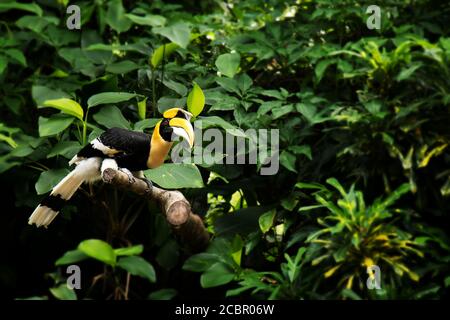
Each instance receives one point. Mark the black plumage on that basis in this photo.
(130, 149)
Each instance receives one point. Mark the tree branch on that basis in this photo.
(185, 224)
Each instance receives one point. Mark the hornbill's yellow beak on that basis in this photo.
(179, 121)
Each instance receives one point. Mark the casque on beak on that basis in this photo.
(183, 128)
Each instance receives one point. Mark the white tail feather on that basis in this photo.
(86, 170)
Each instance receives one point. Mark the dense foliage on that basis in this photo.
(364, 120)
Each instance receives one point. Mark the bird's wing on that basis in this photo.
(116, 142)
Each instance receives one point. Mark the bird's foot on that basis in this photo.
(131, 178)
(148, 182)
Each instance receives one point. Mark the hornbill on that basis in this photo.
(124, 150)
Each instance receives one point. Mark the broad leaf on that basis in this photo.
(219, 274)
(116, 18)
(218, 122)
(161, 52)
(67, 106)
(176, 176)
(110, 97)
(196, 100)
(71, 257)
(66, 149)
(41, 93)
(142, 109)
(163, 294)
(30, 7)
(48, 179)
(129, 251)
(122, 67)
(62, 292)
(200, 262)
(287, 160)
(111, 116)
(137, 266)
(99, 250)
(266, 220)
(54, 125)
(228, 64)
(178, 33)
(151, 20)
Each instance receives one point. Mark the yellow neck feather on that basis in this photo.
(159, 149)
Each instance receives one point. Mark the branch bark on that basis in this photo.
(186, 225)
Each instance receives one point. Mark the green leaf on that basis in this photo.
(304, 185)
(373, 106)
(219, 274)
(161, 52)
(147, 20)
(303, 149)
(17, 55)
(145, 124)
(3, 63)
(244, 82)
(142, 109)
(396, 194)
(290, 202)
(88, 38)
(62, 292)
(287, 160)
(115, 16)
(71, 257)
(110, 97)
(129, 251)
(266, 220)
(138, 266)
(196, 100)
(242, 221)
(111, 116)
(282, 111)
(67, 106)
(179, 33)
(218, 122)
(168, 255)
(40, 94)
(200, 262)
(48, 179)
(122, 67)
(8, 140)
(408, 72)
(66, 149)
(99, 250)
(30, 7)
(321, 67)
(54, 125)
(348, 293)
(163, 294)
(447, 282)
(176, 86)
(176, 176)
(230, 85)
(36, 23)
(228, 64)
(307, 110)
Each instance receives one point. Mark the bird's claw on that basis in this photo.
(148, 182)
(131, 178)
